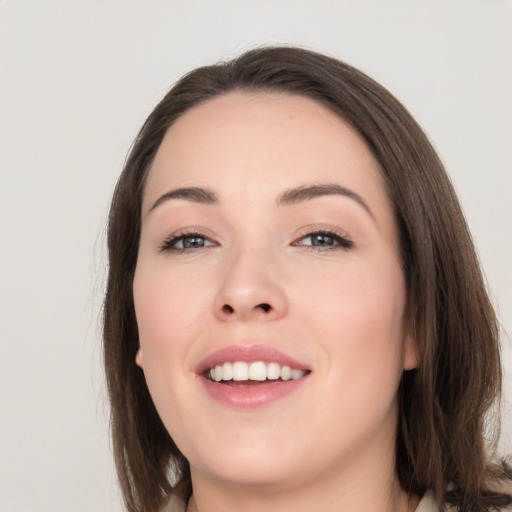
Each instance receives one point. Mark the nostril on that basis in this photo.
(227, 309)
(230, 310)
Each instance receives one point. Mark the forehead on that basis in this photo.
(261, 139)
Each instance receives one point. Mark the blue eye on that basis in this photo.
(320, 240)
(185, 242)
(192, 242)
(324, 240)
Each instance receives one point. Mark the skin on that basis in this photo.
(330, 444)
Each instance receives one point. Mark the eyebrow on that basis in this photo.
(290, 197)
(192, 194)
(306, 193)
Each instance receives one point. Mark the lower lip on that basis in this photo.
(252, 395)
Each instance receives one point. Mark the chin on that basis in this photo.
(249, 469)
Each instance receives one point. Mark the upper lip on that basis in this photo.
(248, 354)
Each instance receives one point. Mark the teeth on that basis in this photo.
(240, 370)
(227, 371)
(296, 374)
(257, 371)
(273, 371)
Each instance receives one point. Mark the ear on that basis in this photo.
(139, 360)
(411, 351)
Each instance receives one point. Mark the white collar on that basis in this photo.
(427, 503)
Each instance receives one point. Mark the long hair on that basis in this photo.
(444, 403)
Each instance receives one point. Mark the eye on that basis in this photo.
(324, 240)
(185, 242)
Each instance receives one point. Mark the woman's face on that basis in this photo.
(268, 240)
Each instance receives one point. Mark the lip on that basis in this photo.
(255, 395)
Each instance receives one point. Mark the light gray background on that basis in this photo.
(77, 80)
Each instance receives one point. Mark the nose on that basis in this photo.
(250, 289)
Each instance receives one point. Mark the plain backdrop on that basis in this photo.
(78, 78)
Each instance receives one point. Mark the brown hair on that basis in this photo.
(443, 403)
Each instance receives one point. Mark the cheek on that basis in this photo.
(167, 306)
(358, 317)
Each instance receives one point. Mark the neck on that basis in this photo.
(376, 490)
(395, 502)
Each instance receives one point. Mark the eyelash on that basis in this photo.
(340, 242)
(169, 244)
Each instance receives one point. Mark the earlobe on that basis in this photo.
(411, 352)
(138, 358)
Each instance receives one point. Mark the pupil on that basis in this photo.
(322, 240)
(192, 242)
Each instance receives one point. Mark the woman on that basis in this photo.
(295, 317)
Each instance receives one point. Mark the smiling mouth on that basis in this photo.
(242, 373)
